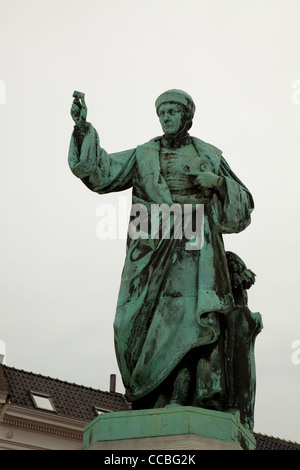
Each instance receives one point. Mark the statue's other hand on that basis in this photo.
(206, 179)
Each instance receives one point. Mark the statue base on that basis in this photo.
(173, 428)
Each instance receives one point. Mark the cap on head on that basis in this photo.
(176, 96)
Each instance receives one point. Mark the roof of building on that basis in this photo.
(69, 400)
(79, 402)
(264, 442)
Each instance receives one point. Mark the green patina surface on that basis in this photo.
(184, 334)
(167, 422)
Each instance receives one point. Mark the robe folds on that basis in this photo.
(170, 297)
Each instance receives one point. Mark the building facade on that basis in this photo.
(38, 412)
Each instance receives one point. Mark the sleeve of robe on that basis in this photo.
(99, 171)
(231, 208)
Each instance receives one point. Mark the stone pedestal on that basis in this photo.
(173, 428)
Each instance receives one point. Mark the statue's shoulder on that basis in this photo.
(206, 148)
(154, 143)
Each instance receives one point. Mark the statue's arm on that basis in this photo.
(232, 202)
(99, 171)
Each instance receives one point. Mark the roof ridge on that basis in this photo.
(61, 381)
(277, 438)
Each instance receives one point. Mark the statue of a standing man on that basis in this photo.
(171, 323)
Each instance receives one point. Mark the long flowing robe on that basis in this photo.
(168, 295)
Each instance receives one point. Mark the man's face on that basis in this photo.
(170, 117)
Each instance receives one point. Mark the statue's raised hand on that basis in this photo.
(79, 108)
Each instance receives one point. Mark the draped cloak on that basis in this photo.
(168, 297)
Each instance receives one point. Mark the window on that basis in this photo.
(42, 401)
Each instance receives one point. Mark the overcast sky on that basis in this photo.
(239, 60)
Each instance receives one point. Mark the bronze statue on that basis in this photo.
(182, 318)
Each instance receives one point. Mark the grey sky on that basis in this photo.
(239, 60)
